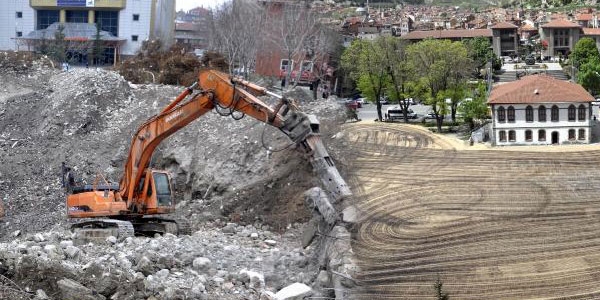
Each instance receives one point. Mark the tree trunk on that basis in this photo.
(404, 105)
(379, 110)
(453, 114)
(439, 121)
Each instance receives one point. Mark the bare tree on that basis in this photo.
(237, 32)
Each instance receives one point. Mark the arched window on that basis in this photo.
(501, 114)
(571, 112)
(554, 113)
(512, 136)
(503, 136)
(581, 134)
(528, 136)
(571, 134)
(529, 113)
(542, 135)
(510, 114)
(581, 112)
(542, 113)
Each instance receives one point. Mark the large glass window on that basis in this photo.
(529, 114)
(571, 112)
(554, 113)
(510, 114)
(108, 21)
(542, 113)
(77, 16)
(501, 114)
(581, 112)
(45, 18)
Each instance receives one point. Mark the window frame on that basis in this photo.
(135, 37)
(288, 63)
(19, 34)
(572, 113)
(541, 132)
(502, 136)
(555, 114)
(19, 15)
(512, 136)
(510, 114)
(542, 116)
(529, 113)
(581, 113)
(581, 134)
(572, 135)
(136, 17)
(528, 135)
(501, 113)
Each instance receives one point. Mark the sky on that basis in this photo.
(189, 4)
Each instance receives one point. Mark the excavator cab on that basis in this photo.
(155, 192)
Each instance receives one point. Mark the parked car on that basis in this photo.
(507, 59)
(361, 101)
(430, 115)
(353, 104)
(396, 112)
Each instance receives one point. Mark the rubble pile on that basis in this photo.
(220, 261)
(225, 171)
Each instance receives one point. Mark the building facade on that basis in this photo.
(505, 39)
(540, 110)
(561, 36)
(131, 20)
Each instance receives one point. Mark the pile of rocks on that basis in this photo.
(221, 261)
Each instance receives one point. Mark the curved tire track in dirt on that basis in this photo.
(491, 224)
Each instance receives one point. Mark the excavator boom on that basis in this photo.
(143, 191)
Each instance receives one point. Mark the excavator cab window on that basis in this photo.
(163, 189)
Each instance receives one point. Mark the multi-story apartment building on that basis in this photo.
(130, 21)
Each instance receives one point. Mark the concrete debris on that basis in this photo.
(73, 290)
(295, 291)
(350, 214)
(86, 117)
(318, 199)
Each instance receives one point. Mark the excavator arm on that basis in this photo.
(218, 90)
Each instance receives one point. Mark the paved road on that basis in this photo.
(369, 111)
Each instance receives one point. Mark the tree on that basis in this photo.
(237, 30)
(365, 63)
(439, 293)
(586, 58)
(57, 47)
(96, 53)
(480, 51)
(443, 64)
(584, 51)
(589, 76)
(398, 70)
(476, 109)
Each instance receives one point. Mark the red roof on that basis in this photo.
(447, 34)
(562, 23)
(505, 25)
(591, 31)
(527, 27)
(584, 17)
(539, 89)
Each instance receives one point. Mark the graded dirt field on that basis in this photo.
(490, 223)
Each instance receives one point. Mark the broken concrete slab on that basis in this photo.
(73, 290)
(316, 197)
(295, 291)
(350, 214)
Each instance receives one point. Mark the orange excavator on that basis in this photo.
(134, 205)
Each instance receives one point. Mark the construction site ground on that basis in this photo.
(490, 223)
(245, 204)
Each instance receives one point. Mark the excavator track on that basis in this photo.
(151, 226)
(99, 230)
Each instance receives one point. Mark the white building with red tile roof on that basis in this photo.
(540, 110)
